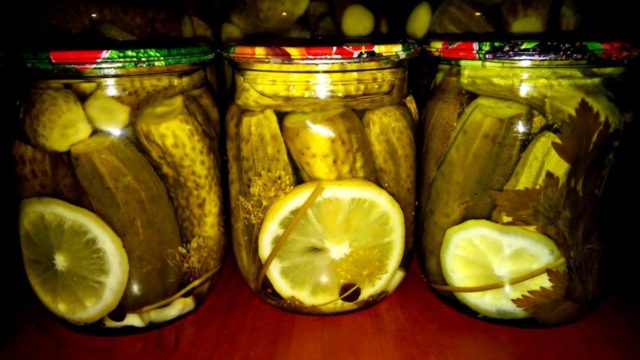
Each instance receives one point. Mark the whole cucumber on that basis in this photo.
(481, 158)
(127, 194)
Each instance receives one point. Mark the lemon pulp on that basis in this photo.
(480, 252)
(75, 263)
(347, 246)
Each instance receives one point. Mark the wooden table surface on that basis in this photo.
(412, 323)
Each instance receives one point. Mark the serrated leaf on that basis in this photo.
(541, 207)
(577, 133)
(550, 305)
(566, 213)
(517, 204)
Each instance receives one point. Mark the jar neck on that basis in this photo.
(317, 66)
(83, 72)
(536, 64)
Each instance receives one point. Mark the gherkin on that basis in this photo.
(481, 158)
(329, 145)
(178, 147)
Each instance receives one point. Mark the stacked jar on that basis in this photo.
(116, 154)
(321, 157)
(518, 141)
(312, 19)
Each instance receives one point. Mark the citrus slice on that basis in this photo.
(480, 252)
(347, 246)
(75, 263)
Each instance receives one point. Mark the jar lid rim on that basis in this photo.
(94, 59)
(358, 51)
(535, 50)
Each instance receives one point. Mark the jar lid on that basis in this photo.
(321, 53)
(531, 50)
(85, 60)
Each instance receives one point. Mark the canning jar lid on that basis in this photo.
(547, 50)
(114, 59)
(360, 51)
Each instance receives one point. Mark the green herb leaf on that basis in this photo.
(550, 305)
(566, 213)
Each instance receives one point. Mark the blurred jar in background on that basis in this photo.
(504, 19)
(507, 17)
(308, 19)
(93, 22)
(118, 166)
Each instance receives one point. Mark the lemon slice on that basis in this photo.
(480, 252)
(347, 246)
(75, 263)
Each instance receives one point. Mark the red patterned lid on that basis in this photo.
(83, 60)
(531, 50)
(321, 53)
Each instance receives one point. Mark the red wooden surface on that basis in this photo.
(409, 324)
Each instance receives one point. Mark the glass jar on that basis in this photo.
(313, 19)
(69, 23)
(321, 155)
(512, 17)
(518, 141)
(116, 155)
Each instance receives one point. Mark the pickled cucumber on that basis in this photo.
(43, 173)
(83, 88)
(329, 145)
(358, 90)
(136, 91)
(481, 158)
(183, 154)
(553, 92)
(55, 120)
(441, 114)
(538, 158)
(204, 109)
(207, 102)
(390, 133)
(410, 103)
(127, 194)
(264, 174)
(243, 231)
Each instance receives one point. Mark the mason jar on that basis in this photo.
(117, 161)
(314, 19)
(518, 141)
(68, 22)
(508, 17)
(321, 163)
